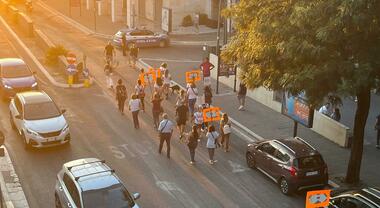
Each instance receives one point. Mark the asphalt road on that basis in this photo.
(98, 130)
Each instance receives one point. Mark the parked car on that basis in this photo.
(90, 183)
(142, 38)
(292, 163)
(38, 120)
(15, 76)
(356, 198)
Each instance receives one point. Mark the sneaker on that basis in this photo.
(214, 161)
(192, 163)
(211, 162)
(241, 108)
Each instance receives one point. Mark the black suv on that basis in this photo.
(362, 198)
(292, 163)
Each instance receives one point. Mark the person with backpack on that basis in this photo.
(167, 80)
(140, 92)
(109, 52)
(225, 129)
(212, 143)
(134, 107)
(121, 95)
(377, 128)
(165, 130)
(192, 94)
(193, 143)
(156, 109)
(208, 95)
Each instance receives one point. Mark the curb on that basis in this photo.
(15, 198)
(28, 53)
(248, 135)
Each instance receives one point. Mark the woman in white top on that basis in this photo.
(212, 143)
(167, 79)
(134, 107)
(225, 130)
(198, 119)
(192, 94)
(140, 92)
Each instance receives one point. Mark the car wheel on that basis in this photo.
(250, 160)
(162, 44)
(57, 202)
(284, 186)
(12, 121)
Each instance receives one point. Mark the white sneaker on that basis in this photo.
(241, 108)
(211, 162)
(214, 161)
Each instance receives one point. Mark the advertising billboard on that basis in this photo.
(297, 108)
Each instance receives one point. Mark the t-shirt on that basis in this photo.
(192, 93)
(242, 89)
(181, 112)
(121, 92)
(206, 68)
(134, 105)
(211, 137)
(156, 105)
(198, 117)
(109, 49)
(139, 89)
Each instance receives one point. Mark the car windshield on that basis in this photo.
(15, 71)
(115, 196)
(38, 111)
(310, 162)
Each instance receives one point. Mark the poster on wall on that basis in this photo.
(166, 19)
(297, 108)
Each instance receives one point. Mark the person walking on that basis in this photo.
(167, 80)
(212, 143)
(225, 129)
(163, 67)
(377, 128)
(121, 95)
(192, 143)
(206, 68)
(134, 107)
(242, 93)
(134, 52)
(156, 109)
(165, 130)
(181, 117)
(182, 98)
(336, 114)
(140, 92)
(108, 70)
(124, 46)
(198, 119)
(192, 94)
(109, 52)
(158, 86)
(208, 95)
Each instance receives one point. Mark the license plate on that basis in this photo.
(312, 173)
(51, 139)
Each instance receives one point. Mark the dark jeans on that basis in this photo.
(211, 152)
(156, 118)
(142, 103)
(191, 106)
(192, 154)
(121, 103)
(165, 137)
(135, 115)
(378, 137)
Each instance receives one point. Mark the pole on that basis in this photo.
(69, 8)
(95, 15)
(235, 69)
(295, 128)
(217, 47)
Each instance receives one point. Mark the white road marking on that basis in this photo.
(236, 167)
(170, 60)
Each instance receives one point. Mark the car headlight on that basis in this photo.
(34, 84)
(7, 86)
(31, 132)
(65, 128)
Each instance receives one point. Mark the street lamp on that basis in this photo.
(217, 47)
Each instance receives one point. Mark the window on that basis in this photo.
(136, 33)
(281, 156)
(267, 148)
(38, 111)
(15, 71)
(72, 189)
(147, 32)
(115, 196)
(349, 202)
(309, 162)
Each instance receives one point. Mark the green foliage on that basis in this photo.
(52, 54)
(315, 46)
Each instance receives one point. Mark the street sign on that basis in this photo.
(166, 19)
(319, 198)
(193, 76)
(211, 114)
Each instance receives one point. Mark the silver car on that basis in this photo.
(90, 183)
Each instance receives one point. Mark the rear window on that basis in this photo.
(309, 162)
(15, 71)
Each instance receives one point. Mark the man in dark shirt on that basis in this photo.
(134, 52)
(109, 52)
(181, 117)
(242, 93)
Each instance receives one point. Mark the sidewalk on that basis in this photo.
(106, 28)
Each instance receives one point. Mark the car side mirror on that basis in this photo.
(18, 117)
(63, 111)
(136, 196)
(2, 138)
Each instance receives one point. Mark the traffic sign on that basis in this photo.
(193, 76)
(211, 114)
(319, 198)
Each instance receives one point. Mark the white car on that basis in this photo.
(38, 120)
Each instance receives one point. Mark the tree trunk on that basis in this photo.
(353, 170)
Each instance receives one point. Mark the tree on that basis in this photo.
(314, 46)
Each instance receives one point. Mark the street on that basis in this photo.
(98, 130)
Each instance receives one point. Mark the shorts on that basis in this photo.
(180, 121)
